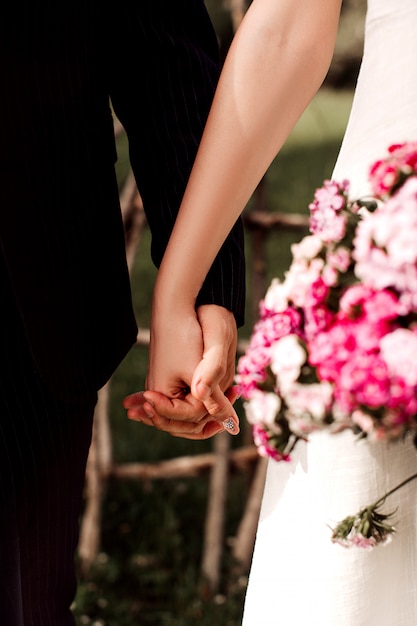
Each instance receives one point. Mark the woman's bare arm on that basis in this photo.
(276, 63)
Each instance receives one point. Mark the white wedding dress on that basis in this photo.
(298, 576)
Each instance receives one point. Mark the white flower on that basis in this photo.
(399, 351)
(300, 277)
(312, 399)
(385, 248)
(276, 298)
(263, 408)
(307, 249)
(287, 358)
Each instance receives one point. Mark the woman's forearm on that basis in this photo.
(276, 63)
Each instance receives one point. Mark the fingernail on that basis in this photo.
(148, 409)
(150, 402)
(133, 416)
(229, 424)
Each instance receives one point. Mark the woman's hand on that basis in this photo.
(191, 365)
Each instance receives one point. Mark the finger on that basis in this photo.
(148, 415)
(210, 429)
(190, 430)
(219, 406)
(138, 414)
(186, 417)
(232, 394)
(134, 399)
(217, 366)
(204, 428)
(134, 404)
(213, 371)
(208, 373)
(186, 409)
(150, 403)
(179, 416)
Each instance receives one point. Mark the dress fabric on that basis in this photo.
(298, 576)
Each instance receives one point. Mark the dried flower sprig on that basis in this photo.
(369, 527)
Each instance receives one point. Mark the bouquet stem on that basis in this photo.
(394, 489)
(369, 527)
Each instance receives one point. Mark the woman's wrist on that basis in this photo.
(171, 293)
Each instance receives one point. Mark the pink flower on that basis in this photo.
(263, 409)
(361, 300)
(280, 325)
(366, 380)
(252, 366)
(340, 258)
(330, 276)
(330, 349)
(405, 154)
(381, 306)
(384, 176)
(327, 220)
(335, 346)
(402, 404)
(364, 542)
(317, 293)
(401, 162)
(353, 299)
(265, 448)
(340, 315)
(317, 319)
(331, 196)
(328, 224)
(308, 406)
(385, 251)
(399, 351)
(300, 277)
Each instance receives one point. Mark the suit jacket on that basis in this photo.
(61, 234)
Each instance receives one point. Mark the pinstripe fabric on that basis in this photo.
(158, 61)
(43, 449)
(60, 224)
(170, 49)
(64, 287)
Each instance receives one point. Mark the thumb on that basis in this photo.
(209, 373)
(205, 387)
(218, 405)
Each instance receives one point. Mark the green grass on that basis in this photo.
(148, 570)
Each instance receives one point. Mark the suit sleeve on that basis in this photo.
(161, 91)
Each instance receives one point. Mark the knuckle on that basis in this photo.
(214, 409)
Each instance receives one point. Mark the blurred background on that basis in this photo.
(147, 556)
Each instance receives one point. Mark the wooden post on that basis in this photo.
(245, 537)
(237, 10)
(216, 506)
(99, 460)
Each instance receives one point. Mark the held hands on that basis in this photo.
(191, 370)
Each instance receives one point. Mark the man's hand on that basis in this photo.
(191, 365)
(186, 418)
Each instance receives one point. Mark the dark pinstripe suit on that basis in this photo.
(64, 285)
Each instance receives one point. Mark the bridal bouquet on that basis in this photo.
(335, 345)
